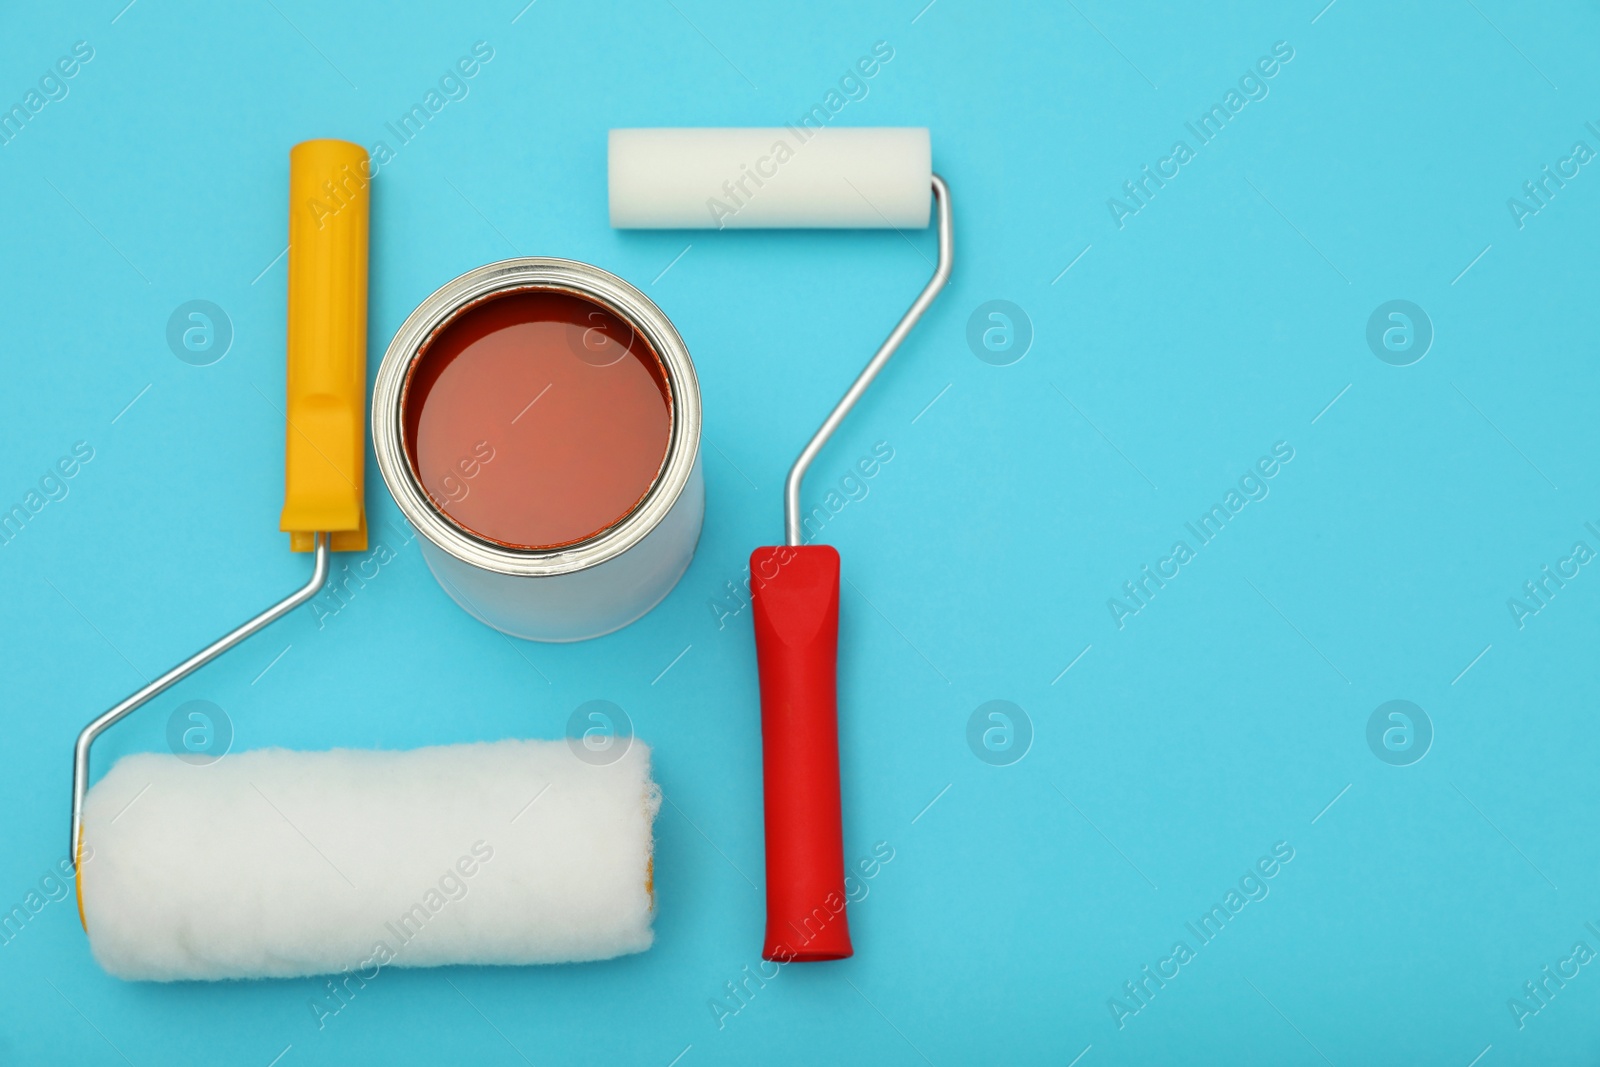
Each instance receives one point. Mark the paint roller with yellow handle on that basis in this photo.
(274, 863)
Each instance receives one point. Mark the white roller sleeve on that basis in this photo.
(833, 177)
(278, 864)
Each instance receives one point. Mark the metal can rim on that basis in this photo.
(509, 275)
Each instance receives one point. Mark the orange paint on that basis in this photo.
(536, 419)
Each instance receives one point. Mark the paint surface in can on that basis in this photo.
(536, 418)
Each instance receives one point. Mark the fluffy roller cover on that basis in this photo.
(800, 177)
(280, 864)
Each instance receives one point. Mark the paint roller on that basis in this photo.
(274, 863)
(810, 178)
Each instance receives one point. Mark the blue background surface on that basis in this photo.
(1227, 315)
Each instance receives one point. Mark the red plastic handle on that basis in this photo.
(795, 593)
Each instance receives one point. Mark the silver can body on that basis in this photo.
(576, 591)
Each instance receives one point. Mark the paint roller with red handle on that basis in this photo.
(817, 179)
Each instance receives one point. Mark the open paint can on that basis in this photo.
(538, 422)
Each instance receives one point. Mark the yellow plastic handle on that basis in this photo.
(329, 182)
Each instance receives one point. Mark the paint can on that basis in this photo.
(563, 584)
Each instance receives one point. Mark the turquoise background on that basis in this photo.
(1225, 316)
